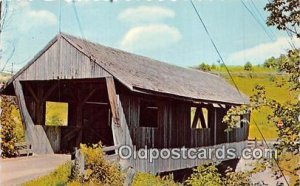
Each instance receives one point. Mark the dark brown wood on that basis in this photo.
(202, 120)
(32, 93)
(196, 118)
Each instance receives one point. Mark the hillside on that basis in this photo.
(276, 88)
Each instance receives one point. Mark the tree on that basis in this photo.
(248, 66)
(204, 67)
(271, 63)
(285, 15)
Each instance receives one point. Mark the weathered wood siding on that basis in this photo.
(62, 61)
(174, 126)
(164, 165)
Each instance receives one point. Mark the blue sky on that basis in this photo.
(165, 30)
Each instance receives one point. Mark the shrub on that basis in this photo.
(236, 178)
(248, 66)
(99, 171)
(204, 67)
(205, 175)
(8, 125)
(146, 179)
(213, 67)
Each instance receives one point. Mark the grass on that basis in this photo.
(58, 177)
(276, 88)
(288, 162)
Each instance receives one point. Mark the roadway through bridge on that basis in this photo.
(15, 171)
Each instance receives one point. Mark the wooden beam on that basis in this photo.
(112, 96)
(202, 119)
(40, 105)
(215, 126)
(196, 118)
(88, 96)
(49, 91)
(32, 93)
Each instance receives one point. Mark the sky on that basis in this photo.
(166, 30)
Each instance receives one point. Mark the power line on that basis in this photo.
(213, 43)
(59, 26)
(80, 28)
(231, 77)
(261, 17)
(281, 172)
(257, 20)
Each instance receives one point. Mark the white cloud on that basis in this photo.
(29, 17)
(258, 54)
(146, 14)
(37, 18)
(150, 37)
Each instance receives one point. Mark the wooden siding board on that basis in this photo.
(62, 61)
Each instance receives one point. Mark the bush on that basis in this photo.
(248, 66)
(146, 179)
(236, 178)
(205, 175)
(8, 125)
(204, 67)
(98, 171)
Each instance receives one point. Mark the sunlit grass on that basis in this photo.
(277, 88)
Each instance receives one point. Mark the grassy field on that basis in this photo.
(276, 88)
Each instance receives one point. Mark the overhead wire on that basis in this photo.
(215, 47)
(207, 32)
(276, 162)
(257, 20)
(59, 26)
(261, 17)
(80, 29)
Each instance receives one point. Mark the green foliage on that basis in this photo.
(248, 66)
(99, 171)
(205, 175)
(291, 65)
(8, 124)
(58, 177)
(213, 67)
(204, 67)
(271, 63)
(146, 179)
(284, 14)
(236, 178)
(230, 118)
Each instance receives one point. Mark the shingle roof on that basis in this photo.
(138, 72)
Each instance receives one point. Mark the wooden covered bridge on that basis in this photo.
(121, 98)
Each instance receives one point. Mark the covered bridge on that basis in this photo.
(119, 98)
